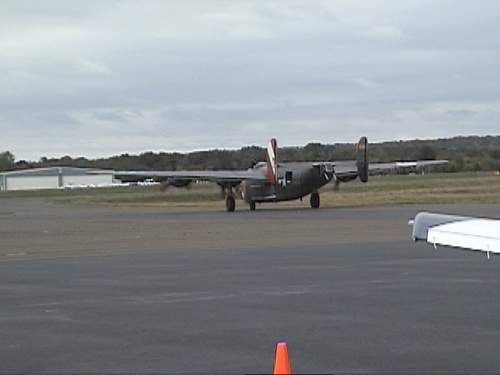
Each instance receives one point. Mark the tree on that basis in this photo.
(426, 152)
(464, 154)
(6, 160)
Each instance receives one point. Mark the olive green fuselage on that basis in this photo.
(294, 181)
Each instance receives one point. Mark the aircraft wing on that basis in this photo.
(349, 169)
(214, 176)
(471, 233)
(374, 167)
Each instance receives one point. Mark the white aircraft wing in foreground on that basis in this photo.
(470, 233)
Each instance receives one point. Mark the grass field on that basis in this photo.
(380, 190)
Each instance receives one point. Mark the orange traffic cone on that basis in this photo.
(281, 363)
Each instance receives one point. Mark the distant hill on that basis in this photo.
(464, 153)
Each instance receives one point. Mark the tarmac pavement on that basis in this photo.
(149, 290)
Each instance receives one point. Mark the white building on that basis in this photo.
(54, 178)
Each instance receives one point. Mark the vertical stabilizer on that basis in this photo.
(272, 162)
(362, 159)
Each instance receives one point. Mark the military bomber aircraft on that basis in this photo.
(273, 181)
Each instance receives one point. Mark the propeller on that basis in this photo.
(222, 191)
(238, 191)
(328, 172)
(164, 185)
(337, 183)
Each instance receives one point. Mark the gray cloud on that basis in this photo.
(109, 116)
(98, 78)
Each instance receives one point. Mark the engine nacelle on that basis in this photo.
(178, 183)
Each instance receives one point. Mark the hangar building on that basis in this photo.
(54, 178)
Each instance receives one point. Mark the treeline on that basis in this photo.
(7, 161)
(463, 153)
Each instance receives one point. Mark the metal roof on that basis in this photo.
(54, 171)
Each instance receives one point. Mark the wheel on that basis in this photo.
(252, 205)
(230, 203)
(315, 201)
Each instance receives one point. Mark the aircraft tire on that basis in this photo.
(315, 200)
(230, 203)
(252, 206)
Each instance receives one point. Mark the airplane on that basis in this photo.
(274, 181)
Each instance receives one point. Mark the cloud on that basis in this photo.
(383, 32)
(109, 116)
(98, 78)
(365, 82)
(93, 68)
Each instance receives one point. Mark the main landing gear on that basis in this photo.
(230, 203)
(315, 201)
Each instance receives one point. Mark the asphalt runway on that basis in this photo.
(153, 290)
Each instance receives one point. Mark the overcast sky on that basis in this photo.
(97, 78)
